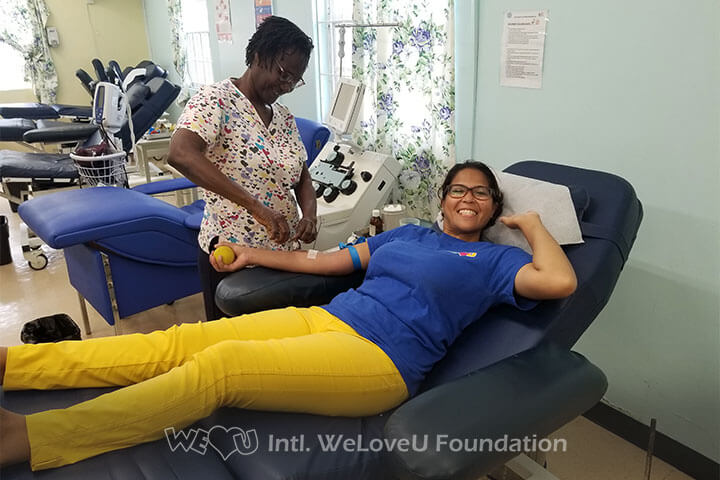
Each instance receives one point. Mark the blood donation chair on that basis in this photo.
(21, 118)
(144, 70)
(314, 137)
(30, 124)
(511, 375)
(149, 95)
(42, 119)
(39, 121)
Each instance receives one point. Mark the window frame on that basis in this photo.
(199, 59)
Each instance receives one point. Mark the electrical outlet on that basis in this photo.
(53, 38)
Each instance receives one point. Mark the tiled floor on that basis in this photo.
(592, 452)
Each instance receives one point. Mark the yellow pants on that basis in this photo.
(299, 360)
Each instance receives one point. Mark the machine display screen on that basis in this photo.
(342, 103)
(98, 104)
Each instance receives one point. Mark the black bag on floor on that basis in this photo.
(54, 328)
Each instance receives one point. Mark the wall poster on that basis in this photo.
(523, 48)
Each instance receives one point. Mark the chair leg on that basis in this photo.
(111, 291)
(83, 311)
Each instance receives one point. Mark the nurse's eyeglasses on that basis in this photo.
(480, 192)
(286, 77)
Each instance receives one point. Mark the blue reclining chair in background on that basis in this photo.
(20, 118)
(511, 374)
(314, 137)
(126, 251)
(149, 96)
(41, 119)
(31, 124)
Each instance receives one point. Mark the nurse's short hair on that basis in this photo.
(275, 37)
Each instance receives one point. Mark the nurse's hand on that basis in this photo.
(306, 231)
(240, 261)
(274, 222)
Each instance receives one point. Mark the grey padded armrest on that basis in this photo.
(256, 289)
(532, 393)
(68, 132)
(13, 129)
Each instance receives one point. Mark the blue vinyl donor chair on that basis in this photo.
(126, 251)
(313, 142)
(512, 373)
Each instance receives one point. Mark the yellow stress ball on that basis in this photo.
(224, 254)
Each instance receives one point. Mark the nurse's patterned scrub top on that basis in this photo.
(267, 162)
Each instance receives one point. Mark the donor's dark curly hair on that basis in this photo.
(275, 37)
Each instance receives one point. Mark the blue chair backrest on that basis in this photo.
(314, 136)
(609, 214)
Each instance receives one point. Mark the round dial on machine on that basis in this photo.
(330, 194)
(347, 187)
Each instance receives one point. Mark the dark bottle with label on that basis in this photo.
(376, 223)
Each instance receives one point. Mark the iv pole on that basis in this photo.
(343, 26)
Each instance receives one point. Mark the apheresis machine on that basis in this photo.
(349, 182)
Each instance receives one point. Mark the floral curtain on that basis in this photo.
(177, 43)
(26, 33)
(409, 104)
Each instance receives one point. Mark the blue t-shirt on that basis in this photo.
(421, 289)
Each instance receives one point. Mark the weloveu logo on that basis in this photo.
(244, 442)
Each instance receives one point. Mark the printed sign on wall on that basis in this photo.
(223, 23)
(523, 48)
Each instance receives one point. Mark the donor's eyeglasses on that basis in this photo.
(286, 77)
(480, 192)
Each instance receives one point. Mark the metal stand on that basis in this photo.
(113, 299)
(83, 311)
(111, 291)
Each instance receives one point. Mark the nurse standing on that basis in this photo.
(245, 151)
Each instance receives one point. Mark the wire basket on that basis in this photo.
(102, 170)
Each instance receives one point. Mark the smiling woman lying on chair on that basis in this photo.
(364, 353)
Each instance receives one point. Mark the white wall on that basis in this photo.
(631, 88)
(158, 34)
(229, 59)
